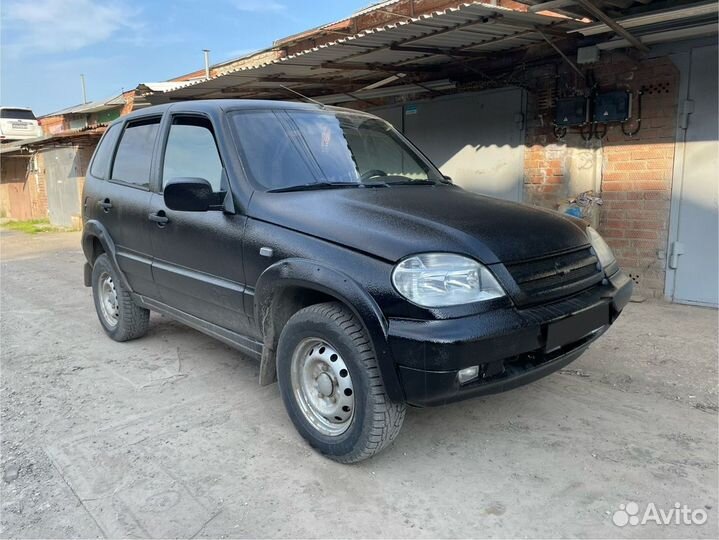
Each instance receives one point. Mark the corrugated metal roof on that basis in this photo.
(165, 86)
(413, 44)
(91, 107)
(92, 133)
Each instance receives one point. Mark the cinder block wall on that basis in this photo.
(634, 171)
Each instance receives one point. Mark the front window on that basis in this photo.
(191, 151)
(283, 149)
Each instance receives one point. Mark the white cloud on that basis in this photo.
(260, 6)
(56, 26)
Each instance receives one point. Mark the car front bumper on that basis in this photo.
(512, 347)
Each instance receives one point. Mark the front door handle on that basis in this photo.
(105, 205)
(160, 218)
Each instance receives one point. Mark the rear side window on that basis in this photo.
(192, 152)
(17, 114)
(103, 154)
(134, 153)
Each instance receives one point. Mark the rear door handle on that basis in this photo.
(159, 217)
(105, 205)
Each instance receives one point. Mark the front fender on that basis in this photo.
(94, 229)
(316, 276)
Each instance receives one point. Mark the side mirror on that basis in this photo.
(191, 195)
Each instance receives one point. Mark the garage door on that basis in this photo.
(695, 208)
(477, 138)
(63, 192)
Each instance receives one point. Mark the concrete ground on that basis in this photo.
(170, 435)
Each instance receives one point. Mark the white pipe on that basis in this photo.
(84, 90)
(207, 63)
(661, 37)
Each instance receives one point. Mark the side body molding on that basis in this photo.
(291, 273)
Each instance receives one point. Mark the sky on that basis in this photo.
(46, 44)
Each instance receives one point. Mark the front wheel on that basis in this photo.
(331, 386)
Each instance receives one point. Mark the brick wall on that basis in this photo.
(635, 171)
(129, 98)
(52, 124)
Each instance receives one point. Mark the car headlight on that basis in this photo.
(604, 252)
(444, 279)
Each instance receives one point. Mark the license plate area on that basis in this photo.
(577, 326)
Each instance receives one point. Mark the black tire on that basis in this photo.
(132, 320)
(376, 420)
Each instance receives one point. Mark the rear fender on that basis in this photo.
(94, 229)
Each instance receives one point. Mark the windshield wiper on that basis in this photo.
(410, 182)
(315, 185)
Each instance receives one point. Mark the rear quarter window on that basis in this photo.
(103, 155)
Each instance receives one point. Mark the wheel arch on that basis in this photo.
(292, 284)
(97, 240)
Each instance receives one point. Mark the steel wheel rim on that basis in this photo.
(109, 306)
(322, 386)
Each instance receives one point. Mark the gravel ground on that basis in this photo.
(170, 435)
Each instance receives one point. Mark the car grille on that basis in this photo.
(549, 278)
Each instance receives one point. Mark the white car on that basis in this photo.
(18, 123)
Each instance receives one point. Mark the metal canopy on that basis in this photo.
(672, 14)
(416, 46)
(89, 108)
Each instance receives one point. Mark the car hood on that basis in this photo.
(393, 222)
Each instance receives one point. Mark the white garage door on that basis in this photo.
(477, 139)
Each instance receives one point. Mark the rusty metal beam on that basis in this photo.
(388, 68)
(445, 30)
(464, 51)
(552, 29)
(550, 6)
(611, 23)
(307, 80)
(438, 51)
(561, 53)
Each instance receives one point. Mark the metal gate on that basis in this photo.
(693, 274)
(475, 138)
(63, 172)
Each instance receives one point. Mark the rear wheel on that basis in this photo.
(331, 386)
(119, 316)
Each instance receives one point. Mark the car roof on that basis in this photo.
(212, 105)
(17, 108)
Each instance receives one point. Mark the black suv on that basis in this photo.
(321, 242)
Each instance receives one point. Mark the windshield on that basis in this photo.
(283, 149)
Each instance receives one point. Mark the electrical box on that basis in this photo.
(571, 111)
(588, 55)
(613, 106)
